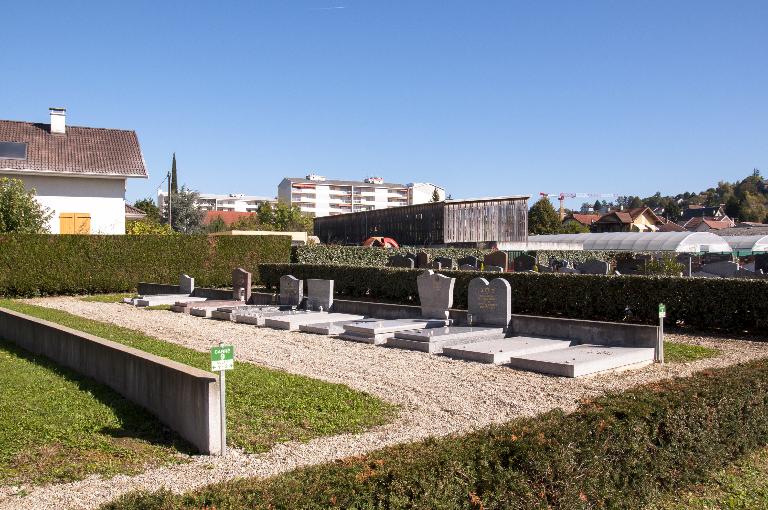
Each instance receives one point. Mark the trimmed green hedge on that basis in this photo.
(712, 304)
(32, 264)
(371, 257)
(619, 451)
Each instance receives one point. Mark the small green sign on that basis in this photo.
(662, 311)
(222, 358)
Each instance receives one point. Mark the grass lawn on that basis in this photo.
(683, 353)
(744, 485)
(264, 406)
(56, 425)
(107, 298)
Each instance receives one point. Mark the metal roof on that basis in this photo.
(746, 245)
(676, 242)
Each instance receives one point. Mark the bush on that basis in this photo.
(373, 257)
(703, 303)
(33, 265)
(618, 451)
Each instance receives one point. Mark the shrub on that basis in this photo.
(703, 303)
(618, 451)
(373, 257)
(33, 264)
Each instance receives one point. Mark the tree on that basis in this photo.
(573, 227)
(597, 206)
(150, 209)
(753, 208)
(143, 227)
(543, 219)
(186, 217)
(435, 195)
(635, 202)
(19, 211)
(174, 181)
(218, 225)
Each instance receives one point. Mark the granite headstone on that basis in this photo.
(186, 284)
(594, 266)
(291, 290)
(497, 258)
(489, 304)
(241, 285)
(435, 294)
(319, 294)
(445, 262)
(422, 259)
(525, 262)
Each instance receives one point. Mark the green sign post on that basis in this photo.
(222, 359)
(660, 341)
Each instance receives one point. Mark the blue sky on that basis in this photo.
(485, 98)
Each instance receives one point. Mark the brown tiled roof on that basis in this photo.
(82, 150)
(671, 226)
(133, 212)
(584, 219)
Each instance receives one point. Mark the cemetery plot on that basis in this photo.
(294, 321)
(501, 350)
(330, 328)
(434, 340)
(582, 360)
(379, 332)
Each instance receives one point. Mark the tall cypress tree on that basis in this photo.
(174, 182)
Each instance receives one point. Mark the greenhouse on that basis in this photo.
(637, 242)
(744, 246)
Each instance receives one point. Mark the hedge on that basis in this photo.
(707, 304)
(619, 451)
(32, 264)
(371, 257)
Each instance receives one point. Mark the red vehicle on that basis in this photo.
(381, 242)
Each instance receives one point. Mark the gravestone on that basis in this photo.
(291, 290)
(493, 269)
(445, 262)
(186, 284)
(241, 285)
(761, 263)
(435, 294)
(568, 270)
(401, 261)
(469, 261)
(497, 258)
(434, 265)
(422, 259)
(467, 267)
(525, 262)
(593, 266)
(319, 294)
(725, 269)
(489, 303)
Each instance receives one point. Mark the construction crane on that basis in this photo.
(562, 196)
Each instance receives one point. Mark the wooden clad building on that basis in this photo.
(453, 222)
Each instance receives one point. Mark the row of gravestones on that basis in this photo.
(488, 303)
(495, 261)
(319, 292)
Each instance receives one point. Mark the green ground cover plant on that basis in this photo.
(91, 264)
(740, 305)
(264, 406)
(622, 451)
(58, 426)
(675, 352)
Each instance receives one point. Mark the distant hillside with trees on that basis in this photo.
(745, 200)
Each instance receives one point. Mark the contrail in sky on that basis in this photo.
(327, 8)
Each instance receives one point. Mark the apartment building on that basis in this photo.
(319, 196)
(232, 202)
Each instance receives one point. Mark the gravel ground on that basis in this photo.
(437, 396)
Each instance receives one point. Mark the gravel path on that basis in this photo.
(437, 396)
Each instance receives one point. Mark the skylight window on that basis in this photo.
(13, 150)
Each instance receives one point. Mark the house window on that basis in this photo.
(74, 223)
(13, 150)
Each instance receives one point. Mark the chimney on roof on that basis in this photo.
(58, 120)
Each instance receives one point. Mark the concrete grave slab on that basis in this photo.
(379, 332)
(502, 349)
(164, 299)
(227, 313)
(433, 340)
(582, 360)
(330, 328)
(205, 308)
(293, 322)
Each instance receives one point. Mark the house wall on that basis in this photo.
(103, 199)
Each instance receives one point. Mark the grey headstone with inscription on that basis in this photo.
(291, 290)
(319, 294)
(435, 294)
(186, 284)
(241, 284)
(490, 304)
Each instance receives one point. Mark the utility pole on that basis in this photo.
(170, 203)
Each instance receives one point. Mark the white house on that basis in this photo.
(79, 173)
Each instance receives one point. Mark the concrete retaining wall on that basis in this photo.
(586, 332)
(184, 398)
